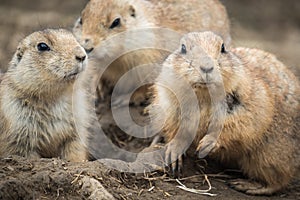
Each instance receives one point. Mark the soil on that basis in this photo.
(272, 25)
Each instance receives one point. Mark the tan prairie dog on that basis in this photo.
(36, 117)
(260, 109)
(101, 20)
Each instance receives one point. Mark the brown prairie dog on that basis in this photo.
(261, 109)
(101, 20)
(36, 117)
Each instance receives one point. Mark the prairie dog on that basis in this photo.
(101, 20)
(260, 109)
(36, 118)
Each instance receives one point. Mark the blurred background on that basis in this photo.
(272, 25)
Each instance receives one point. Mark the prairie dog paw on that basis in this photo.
(253, 188)
(207, 145)
(174, 156)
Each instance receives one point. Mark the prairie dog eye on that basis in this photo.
(80, 20)
(223, 50)
(43, 47)
(115, 23)
(183, 49)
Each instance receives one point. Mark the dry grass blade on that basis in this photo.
(152, 188)
(77, 177)
(222, 176)
(201, 192)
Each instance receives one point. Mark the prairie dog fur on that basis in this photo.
(36, 118)
(101, 20)
(261, 109)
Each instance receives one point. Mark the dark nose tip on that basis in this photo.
(80, 58)
(207, 69)
(89, 50)
(88, 44)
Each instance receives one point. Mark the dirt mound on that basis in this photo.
(57, 179)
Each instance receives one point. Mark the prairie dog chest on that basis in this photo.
(39, 125)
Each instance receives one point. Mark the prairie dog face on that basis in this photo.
(202, 59)
(49, 55)
(102, 19)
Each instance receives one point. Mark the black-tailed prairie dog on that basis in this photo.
(259, 112)
(101, 20)
(36, 117)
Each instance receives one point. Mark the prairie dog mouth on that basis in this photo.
(202, 84)
(74, 73)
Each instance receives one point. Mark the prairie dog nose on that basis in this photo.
(80, 54)
(80, 58)
(207, 69)
(87, 44)
(205, 63)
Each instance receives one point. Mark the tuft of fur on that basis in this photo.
(259, 112)
(36, 118)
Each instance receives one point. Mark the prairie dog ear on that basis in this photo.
(132, 11)
(18, 55)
